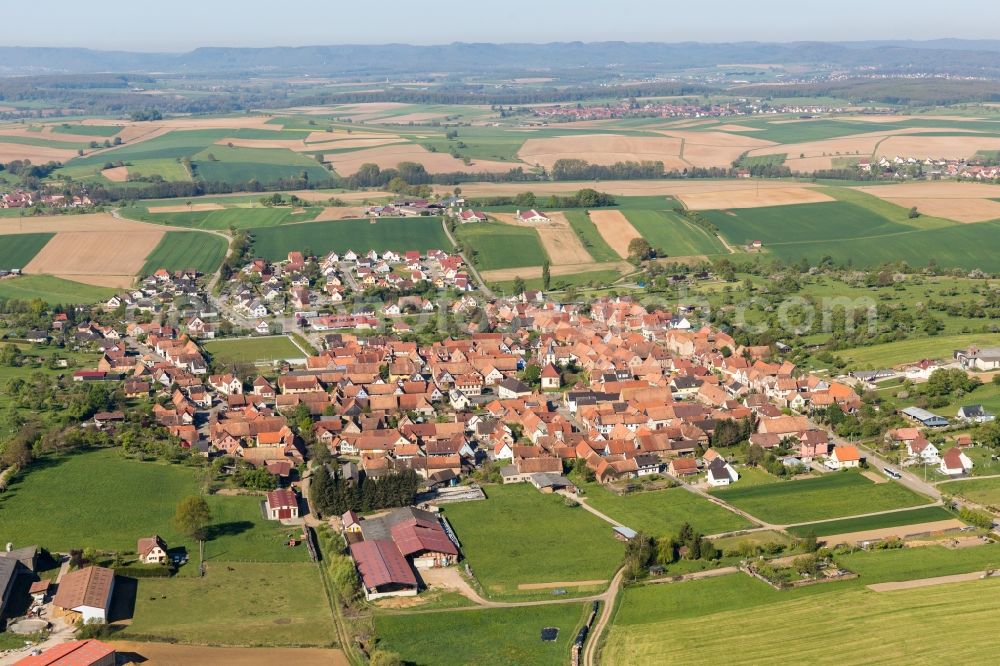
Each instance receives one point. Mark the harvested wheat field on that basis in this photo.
(962, 202)
(615, 229)
(340, 213)
(166, 654)
(387, 157)
(558, 238)
(181, 208)
(946, 147)
(533, 272)
(748, 198)
(10, 152)
(110, 259)
(604, 149)
(75, 223)
(715, 149)
(287, 144)
(116, 174)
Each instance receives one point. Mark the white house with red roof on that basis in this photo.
(532, 215)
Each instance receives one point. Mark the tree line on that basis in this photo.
(332, 494)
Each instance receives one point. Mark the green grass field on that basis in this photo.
(401, 234)
(497, 245)
(598, 279)
(103, 500)
(498, 636)
(591, 238)
(661, 512)
(103, 131)
(519, 535)
(248, 350)
(659, 620)
(875, 566)
(235, 217)
(904, 351)
(982, 491)
(180, 250)
(176, 144)
(53, 290)
(667, 231)
(821, 498)
(19, 249)
(861, 231)
(241, 604)
(900, 518)
(266, 165)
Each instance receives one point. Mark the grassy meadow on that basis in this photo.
(886, 520)
(239, 604)
(318, 238)
(519, 535)
(661, 512)
(181, 250)
(53, 290)
(249, 350)
(829, 496)
(496, 245)
(496, 636)
(17, 250)
(671, 619)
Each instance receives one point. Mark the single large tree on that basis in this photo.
(546, 276)
(192, 519)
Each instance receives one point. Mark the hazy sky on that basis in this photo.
(179, 25)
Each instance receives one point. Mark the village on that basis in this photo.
(533, 391)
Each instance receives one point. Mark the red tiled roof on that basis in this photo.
(414, 536)
(380, 563)
(74, 653)
(282, 498)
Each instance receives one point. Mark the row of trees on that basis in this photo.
(332, 494)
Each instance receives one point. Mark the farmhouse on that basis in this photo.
(282, 504)
(923, 451)
(721, 473)
(955, 463)
(152, 550)
(531, 216)
(974, 414)
(982, 360)
(417, 534)
(86, 594)
(467, 216)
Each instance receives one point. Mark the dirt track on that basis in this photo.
(551, 586)
(901, 531)
(164, 654)
(925, 582)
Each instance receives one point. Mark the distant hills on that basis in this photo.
(955, 56)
